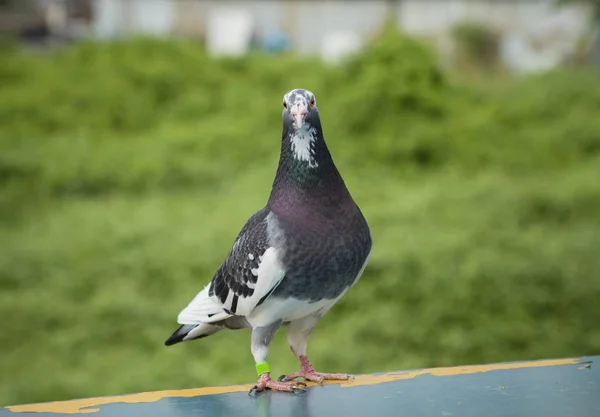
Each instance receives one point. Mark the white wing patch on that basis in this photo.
(270, 272)
(206, 309)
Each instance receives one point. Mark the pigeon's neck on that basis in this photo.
(306, 173)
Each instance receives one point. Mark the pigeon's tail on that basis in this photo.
(192, 331)
(202, 309)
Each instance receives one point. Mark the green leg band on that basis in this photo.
(263, 367)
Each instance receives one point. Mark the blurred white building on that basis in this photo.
(535, 34)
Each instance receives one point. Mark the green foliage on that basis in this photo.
(126, 170)
(387, 85)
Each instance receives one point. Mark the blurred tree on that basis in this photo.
(477, 46)
(591, 39)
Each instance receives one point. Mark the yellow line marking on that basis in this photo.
(82, 406)
(450, 371)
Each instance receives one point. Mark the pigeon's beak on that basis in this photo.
(298, 112)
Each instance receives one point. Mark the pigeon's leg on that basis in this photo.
(261, 338)
(298, 333)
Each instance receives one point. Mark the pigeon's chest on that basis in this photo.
(323, 257)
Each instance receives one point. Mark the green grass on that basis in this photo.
(126, 170)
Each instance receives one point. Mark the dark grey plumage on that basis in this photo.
(328, 237)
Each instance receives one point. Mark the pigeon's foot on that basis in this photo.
(308, 373)
(265, 381)
(315, 376)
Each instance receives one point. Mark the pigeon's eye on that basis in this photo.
(312, 102)
(285, 105)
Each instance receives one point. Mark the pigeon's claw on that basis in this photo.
(265, 382)
(315, 377)
(308, 373)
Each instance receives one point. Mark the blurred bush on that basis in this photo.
(126, 170)
(477, 46)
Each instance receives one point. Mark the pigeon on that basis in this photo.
(292, 260)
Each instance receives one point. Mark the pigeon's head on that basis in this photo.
(299, 109)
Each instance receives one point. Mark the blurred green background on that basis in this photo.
(127, 169)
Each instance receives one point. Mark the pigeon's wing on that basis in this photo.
(249, 274)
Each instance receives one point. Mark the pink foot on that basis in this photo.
(308, 372)
(265, 381)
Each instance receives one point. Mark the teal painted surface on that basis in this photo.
(551, 391)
